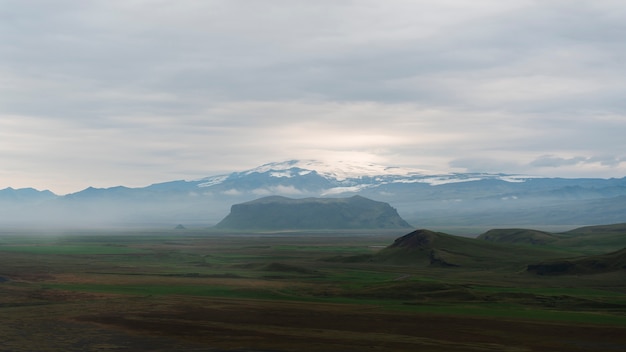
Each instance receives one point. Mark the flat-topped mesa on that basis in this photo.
(281, 213)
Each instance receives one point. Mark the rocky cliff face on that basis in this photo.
(281, 213)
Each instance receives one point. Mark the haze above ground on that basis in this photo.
(107, 93)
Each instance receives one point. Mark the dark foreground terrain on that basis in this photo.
(196, 291)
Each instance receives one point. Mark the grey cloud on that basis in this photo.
(486, 164)
(484, 85)
(235, 50)
(607, 160)
(554, 161)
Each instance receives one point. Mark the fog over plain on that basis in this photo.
(105, 93)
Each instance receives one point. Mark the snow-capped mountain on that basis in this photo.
(324, 179)
(341, 170)
(421, 197)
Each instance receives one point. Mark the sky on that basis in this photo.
(133, 92)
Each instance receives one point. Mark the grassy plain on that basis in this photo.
(209, 291)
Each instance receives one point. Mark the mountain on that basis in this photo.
(302, 177)
(19, 200)
(24, 195)
(438, 199)
(421, 197)
(281, 213)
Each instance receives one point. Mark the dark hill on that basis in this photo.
(281, 213)
(594, 239)
(518, 236)
(588, 240)
(595, 264)
(418, 239)
(423, 247)
(599, 229)
(438, 249)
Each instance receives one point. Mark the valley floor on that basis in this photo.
(285, 292)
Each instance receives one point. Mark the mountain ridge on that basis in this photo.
(421, 197)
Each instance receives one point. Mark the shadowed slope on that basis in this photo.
(595, 264)
(599, 229)
(429, 248)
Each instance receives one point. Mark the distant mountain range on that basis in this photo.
(421, 198)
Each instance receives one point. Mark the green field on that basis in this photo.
(69, 249)
(208, 291)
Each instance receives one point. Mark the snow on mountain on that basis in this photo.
(212, 180)
(348, 176)
(422, 197)
(339, 171)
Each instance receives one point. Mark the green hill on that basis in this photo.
(281, 213)
(599, 229)
(590, 243)
(518, 236)
(588, 240)
(510, 249)
(595, 264)
(594, 240)
(438, 249)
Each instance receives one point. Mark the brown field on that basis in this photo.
(210, 324)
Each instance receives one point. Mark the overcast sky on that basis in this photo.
(133, 92)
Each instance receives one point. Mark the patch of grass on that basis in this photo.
(325, 249)
(553, 291)
(164, 290)
(70, 249)
(512, 311)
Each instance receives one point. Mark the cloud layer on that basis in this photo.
(105, 93)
